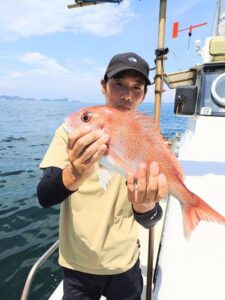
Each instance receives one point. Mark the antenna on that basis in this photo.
(218, 13)
(190, 28)
(81, 3)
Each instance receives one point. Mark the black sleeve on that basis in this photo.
(150, 218)
(51, 190)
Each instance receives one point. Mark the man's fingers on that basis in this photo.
(142, 182)
(88, 144)
(146, 191)
(154, 169)
(163, 188)
(152, 188)
(76, 134)
(85, 147)
(98, 147)
(84, 168)
(131, 187)
(93, 158)
(85, 142)
(130, 180)
(142, 176)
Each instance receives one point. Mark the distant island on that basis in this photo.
(13, 98)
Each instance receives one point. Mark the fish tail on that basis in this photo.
(199, 211)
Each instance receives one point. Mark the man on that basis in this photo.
(99, 248)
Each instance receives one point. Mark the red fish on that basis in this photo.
(135, 139)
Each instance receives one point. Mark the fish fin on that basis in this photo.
(177, 165)
(200, 211)
(66, 128)
(120, 162)
(146, 122)
(105, 176)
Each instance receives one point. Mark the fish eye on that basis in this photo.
(85, 117)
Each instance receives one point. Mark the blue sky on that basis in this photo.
(49, 51)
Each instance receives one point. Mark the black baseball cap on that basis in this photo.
(127, 61)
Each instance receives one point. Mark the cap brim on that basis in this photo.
(120, 69)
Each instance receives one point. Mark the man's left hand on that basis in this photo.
(144, 192)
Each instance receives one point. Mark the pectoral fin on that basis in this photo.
(105, 176)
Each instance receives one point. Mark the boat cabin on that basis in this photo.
(201, 90)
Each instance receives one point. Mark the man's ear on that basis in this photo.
(146, 90)
(103, 86)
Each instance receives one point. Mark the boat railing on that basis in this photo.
(35, 268)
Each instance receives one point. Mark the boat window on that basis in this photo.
(213, 91)
(218, 90)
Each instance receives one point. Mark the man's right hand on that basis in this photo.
(85, 147)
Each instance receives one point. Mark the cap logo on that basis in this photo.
(133, 59)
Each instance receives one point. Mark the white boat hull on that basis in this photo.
(194, 269)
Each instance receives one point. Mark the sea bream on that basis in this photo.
(134, 139)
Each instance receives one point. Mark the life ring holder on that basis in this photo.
(216, 97)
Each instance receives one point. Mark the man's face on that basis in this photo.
(126, 91)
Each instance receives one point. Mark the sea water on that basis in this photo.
(26, 229)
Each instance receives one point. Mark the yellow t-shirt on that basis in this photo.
(97, 231)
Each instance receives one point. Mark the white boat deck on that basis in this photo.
(195, 268)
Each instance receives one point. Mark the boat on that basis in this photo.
(192, 269)
(195, 268)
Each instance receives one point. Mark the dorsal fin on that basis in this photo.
(145, 121)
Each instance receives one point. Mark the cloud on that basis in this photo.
(24, 18)
(43, 63)
(36, 75)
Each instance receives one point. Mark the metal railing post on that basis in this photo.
(158, 97)
(34, 269)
